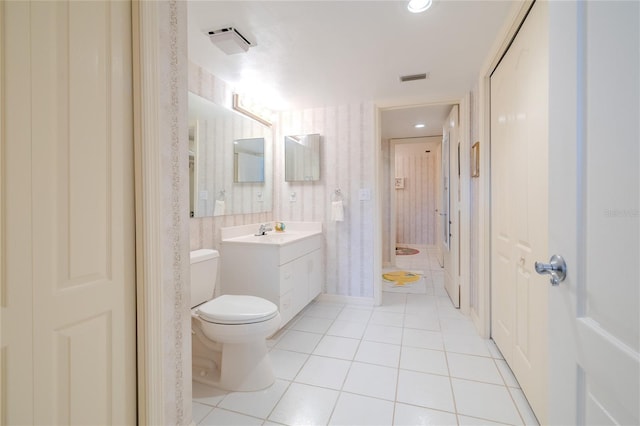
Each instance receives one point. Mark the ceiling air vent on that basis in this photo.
(414, 77)
(229, 40)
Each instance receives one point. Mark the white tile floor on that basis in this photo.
(415, 360)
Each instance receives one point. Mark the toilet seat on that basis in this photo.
(237, 309)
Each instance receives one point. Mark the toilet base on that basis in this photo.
(237, 367)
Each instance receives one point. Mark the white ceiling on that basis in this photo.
(316, 53)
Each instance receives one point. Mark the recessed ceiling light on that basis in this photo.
(417, 6)
(419, 126)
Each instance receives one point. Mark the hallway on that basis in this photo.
(415, 360)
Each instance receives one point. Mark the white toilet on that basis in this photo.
(228, 333)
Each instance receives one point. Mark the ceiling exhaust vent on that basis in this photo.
(229, 40)
(414, 77)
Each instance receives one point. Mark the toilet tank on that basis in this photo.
(204, 273)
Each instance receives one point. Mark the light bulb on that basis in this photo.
(417, 6)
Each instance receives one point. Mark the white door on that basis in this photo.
(594, 212)
(68, 284)
(451, 205)
(439, 212)
(413, 205)
(519, 167)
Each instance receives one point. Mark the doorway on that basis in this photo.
(408, 213)
(413, 193)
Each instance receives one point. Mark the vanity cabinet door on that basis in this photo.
(315, 271)
(301, 283)
(287, 279)
(287, 282)
(286, 308)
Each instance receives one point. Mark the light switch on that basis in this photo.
(364, 194)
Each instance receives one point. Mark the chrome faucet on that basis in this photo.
(263, 229)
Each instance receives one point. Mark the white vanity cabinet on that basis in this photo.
(289, 274)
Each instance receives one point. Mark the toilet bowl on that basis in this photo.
(228, 332)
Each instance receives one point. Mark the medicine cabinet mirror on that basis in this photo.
(302, 158)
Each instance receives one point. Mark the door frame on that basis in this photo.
(465, 177)
(162, 222)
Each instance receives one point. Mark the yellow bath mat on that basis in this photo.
(401, 277)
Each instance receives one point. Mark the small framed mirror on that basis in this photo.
(302, 158)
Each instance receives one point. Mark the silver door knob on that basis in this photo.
(556, 267)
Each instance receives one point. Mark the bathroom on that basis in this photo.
(97, 235)
(350, 246)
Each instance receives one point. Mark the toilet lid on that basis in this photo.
(237, 309)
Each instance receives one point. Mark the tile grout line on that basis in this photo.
(395, 396)
(341, 390)
(453, 394)
(302, 367)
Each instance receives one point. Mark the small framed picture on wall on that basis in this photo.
(399, 183)
(475, 160)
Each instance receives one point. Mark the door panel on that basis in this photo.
(519, 147)
(17, 354)
(593, 212)
(79, 263)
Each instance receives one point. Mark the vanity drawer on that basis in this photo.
(290, 252)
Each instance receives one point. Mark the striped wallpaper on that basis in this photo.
(347, 163)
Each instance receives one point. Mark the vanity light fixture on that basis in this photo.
(242, 108)
(418, 6)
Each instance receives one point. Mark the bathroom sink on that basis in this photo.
(286, 268)
(273, 238)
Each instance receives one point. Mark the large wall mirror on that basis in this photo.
(230, 161)
(302, 158)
